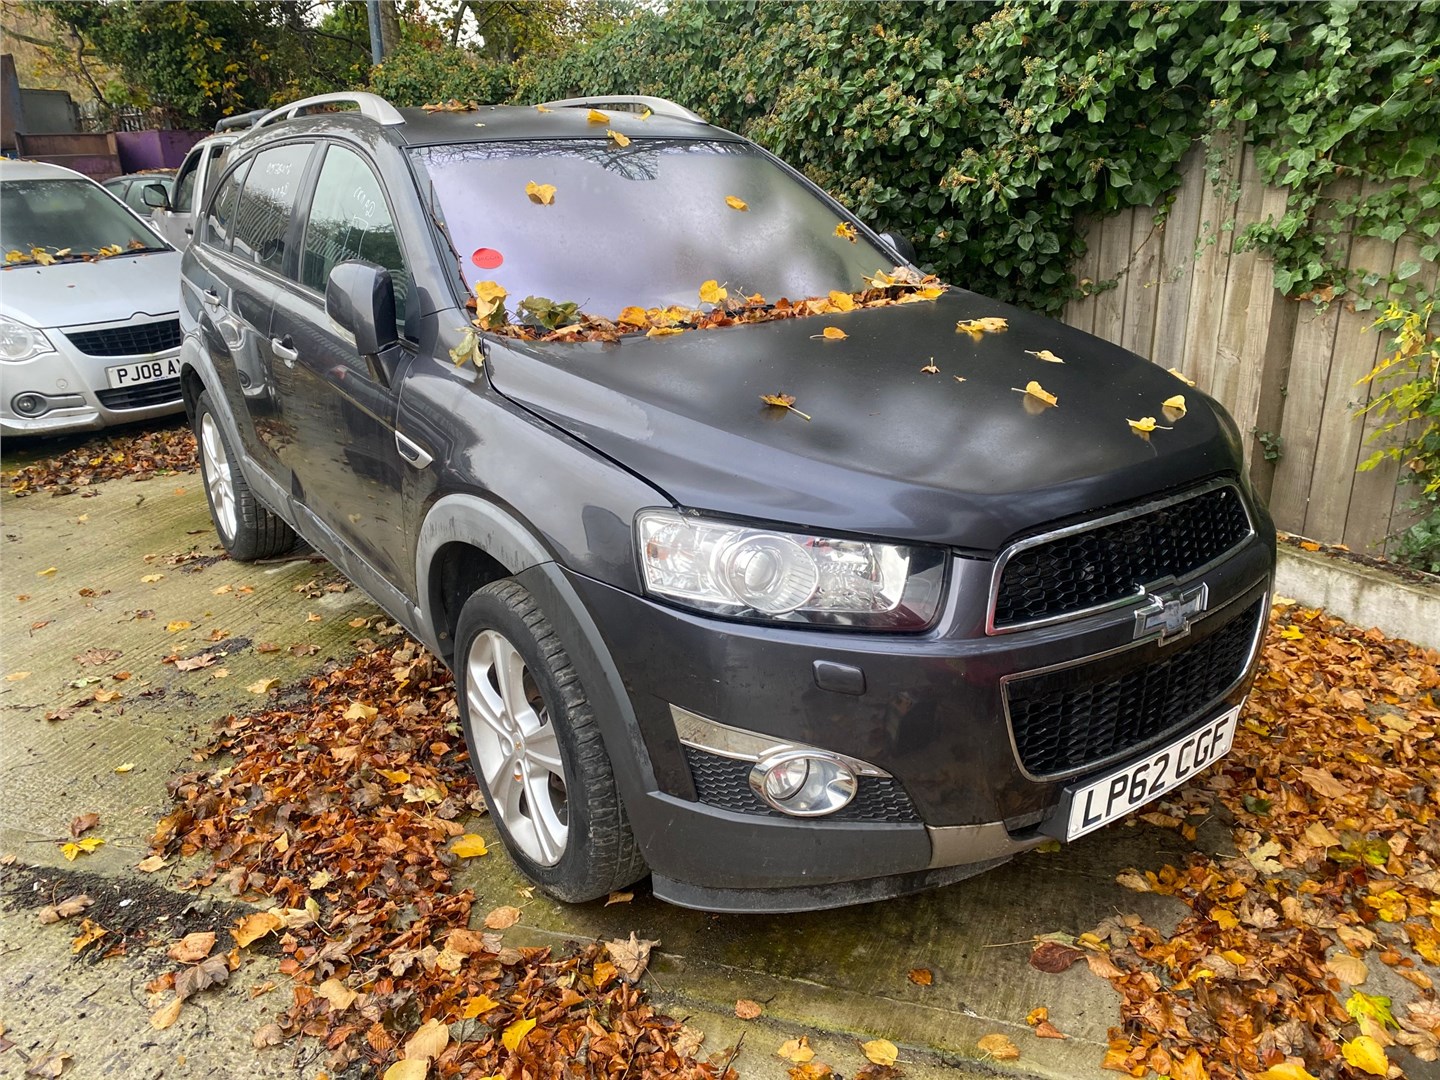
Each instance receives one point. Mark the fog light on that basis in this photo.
(803, 784)
(29, 404)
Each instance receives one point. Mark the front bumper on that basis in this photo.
(75, 386)
(929, 709)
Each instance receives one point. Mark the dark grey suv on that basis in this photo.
(827, 585)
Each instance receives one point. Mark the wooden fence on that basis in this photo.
(1287, 370)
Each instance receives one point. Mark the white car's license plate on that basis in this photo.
(1115, 795)
(146, 371)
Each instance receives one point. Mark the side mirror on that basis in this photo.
(360, 299)
(153, 195)
(901, 244)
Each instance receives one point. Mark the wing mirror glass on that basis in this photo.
(154, 195)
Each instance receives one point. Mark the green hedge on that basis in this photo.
(418, 74)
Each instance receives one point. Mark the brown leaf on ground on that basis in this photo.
(166, 1015)
(1053, 957)
(252, 928)
(1046, 1030)
(192, 948)
(428, 1041)
(921, 976)
(502, 918)
(191, 979)
(630, 957)
(880, 1051)
(269, 1035)
(810, 1070)
(796, 1050)
(71, 905)
(84, 823)
(746, 1009)
(999, 1047)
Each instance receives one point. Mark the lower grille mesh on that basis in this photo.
(161, 392)
(1064, 720)
(725, 783)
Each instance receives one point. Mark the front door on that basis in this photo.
(340, 415)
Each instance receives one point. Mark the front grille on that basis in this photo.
(1098, 566)
(725, 783)
(161, 392)
(134, 339)
(1065, 720)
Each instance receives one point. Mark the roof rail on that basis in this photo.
(628, 103)
(240, 120)
(371, 105)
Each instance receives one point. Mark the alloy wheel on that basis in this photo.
(218, 479)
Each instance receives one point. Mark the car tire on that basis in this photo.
(247, 529)
(526, 713)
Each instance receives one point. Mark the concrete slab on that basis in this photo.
(1362, 595)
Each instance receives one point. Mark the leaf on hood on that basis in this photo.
(1046, 355)
(595, 116)
(712, 292)
(830, 333)
(930, 368)
(999, 1047)
(1175, 404)
(617, 138)
(978, 328)
(540, 194)
(630, 957)
(880, 1051)
(1144, 425)
(783, 401)
(1034, 390)
(633, 316)
(841, 301)
(542, 108)
(1181, 376)
(468, 348)
(736, 204)
(663, 331)
(846, 231)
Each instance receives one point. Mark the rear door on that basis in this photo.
(195, 178)
(340, 417)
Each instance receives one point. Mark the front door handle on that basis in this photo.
(411, 452)
(210, 297)
(285, 349)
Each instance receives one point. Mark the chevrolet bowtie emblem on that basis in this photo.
(1169, 614)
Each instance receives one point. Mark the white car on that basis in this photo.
(89, 307)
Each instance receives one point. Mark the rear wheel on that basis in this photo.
(537, 749)
(247, 530)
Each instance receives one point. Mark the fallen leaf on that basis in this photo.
(340, 996)
(478, 1006)
(1348, 969)
(270, 1035)
(630, 957)
(540, 194)
(1367, 1055)
(595, 116)
(1036, 1015)
(922, 976)
(1175, 404)
(1144, 425)
(150, 579)
(211, 971)
(978, 328)
(1047, 1030)
(470, 846)
(1323, 783)
(90, 932)
(502, 918)
(177, 625)
(811, 1070)
(999, 1047)
(930, 368)
(429, 1041)
(746, 1009)
(252, 928)
(1052, 957)
(619, 139)
(1181, 376)
(511, 1036)
(125, 767)
(166, 1015)
(71, 905)
(80, 847)
(712, 292)
(1046, 355)
(47, 572)
(736, 204)
(1286, 1070)
(419, 1069)
(783, 401)
(192, 948)
(831, 333)
(195, 663)
(151, 864)
(880, 1051)
(16, 676)
(104, 697)
(796, 1050)
(846, 231)
(84, 823)
(619, 898)
(360, 711)
(663, 331)
(263, 686)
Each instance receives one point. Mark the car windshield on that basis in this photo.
(60, 214)
(642, 225)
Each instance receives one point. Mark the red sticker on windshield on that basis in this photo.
(487, 258)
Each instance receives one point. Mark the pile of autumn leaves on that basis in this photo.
(1296, 950)
(341, 814)
(139, 455)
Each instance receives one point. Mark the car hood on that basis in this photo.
(889, 449)
(79, 293)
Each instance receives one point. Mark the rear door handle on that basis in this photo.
(211, 298)
(285, 349)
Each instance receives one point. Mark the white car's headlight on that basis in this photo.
(20, 342)
(769, 575)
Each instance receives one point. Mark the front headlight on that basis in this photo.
(20, 342)
(769, 575)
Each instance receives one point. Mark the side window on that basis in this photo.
(222, 208)
(184, 193)
(266, 201)
(350, 220)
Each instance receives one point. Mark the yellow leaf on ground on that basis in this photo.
(999, 1047)
(90, 932)
(478, 1006)
(80, 847)
(16, 676)
(512, 1035)
(736, 204)
(796, 1050)
(1367, 1055)
(470, 846)
(712, 292)
(620, 140)
(125, 767)
(253, 927)
(880, 1051)
(427, 1042)
(1286, 1070)
(595, 116)
(166, 1015)
(340, 996)
(542, 194)
(395, 776)
(151, 864)
(47, 572)
(150, 579)
(263, 686)
(418, 1069)
(1348, 969)
(359, 711)
(177, 625)
(1037, 1014)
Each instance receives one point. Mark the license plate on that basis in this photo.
(1102, 801)
(146, 371)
